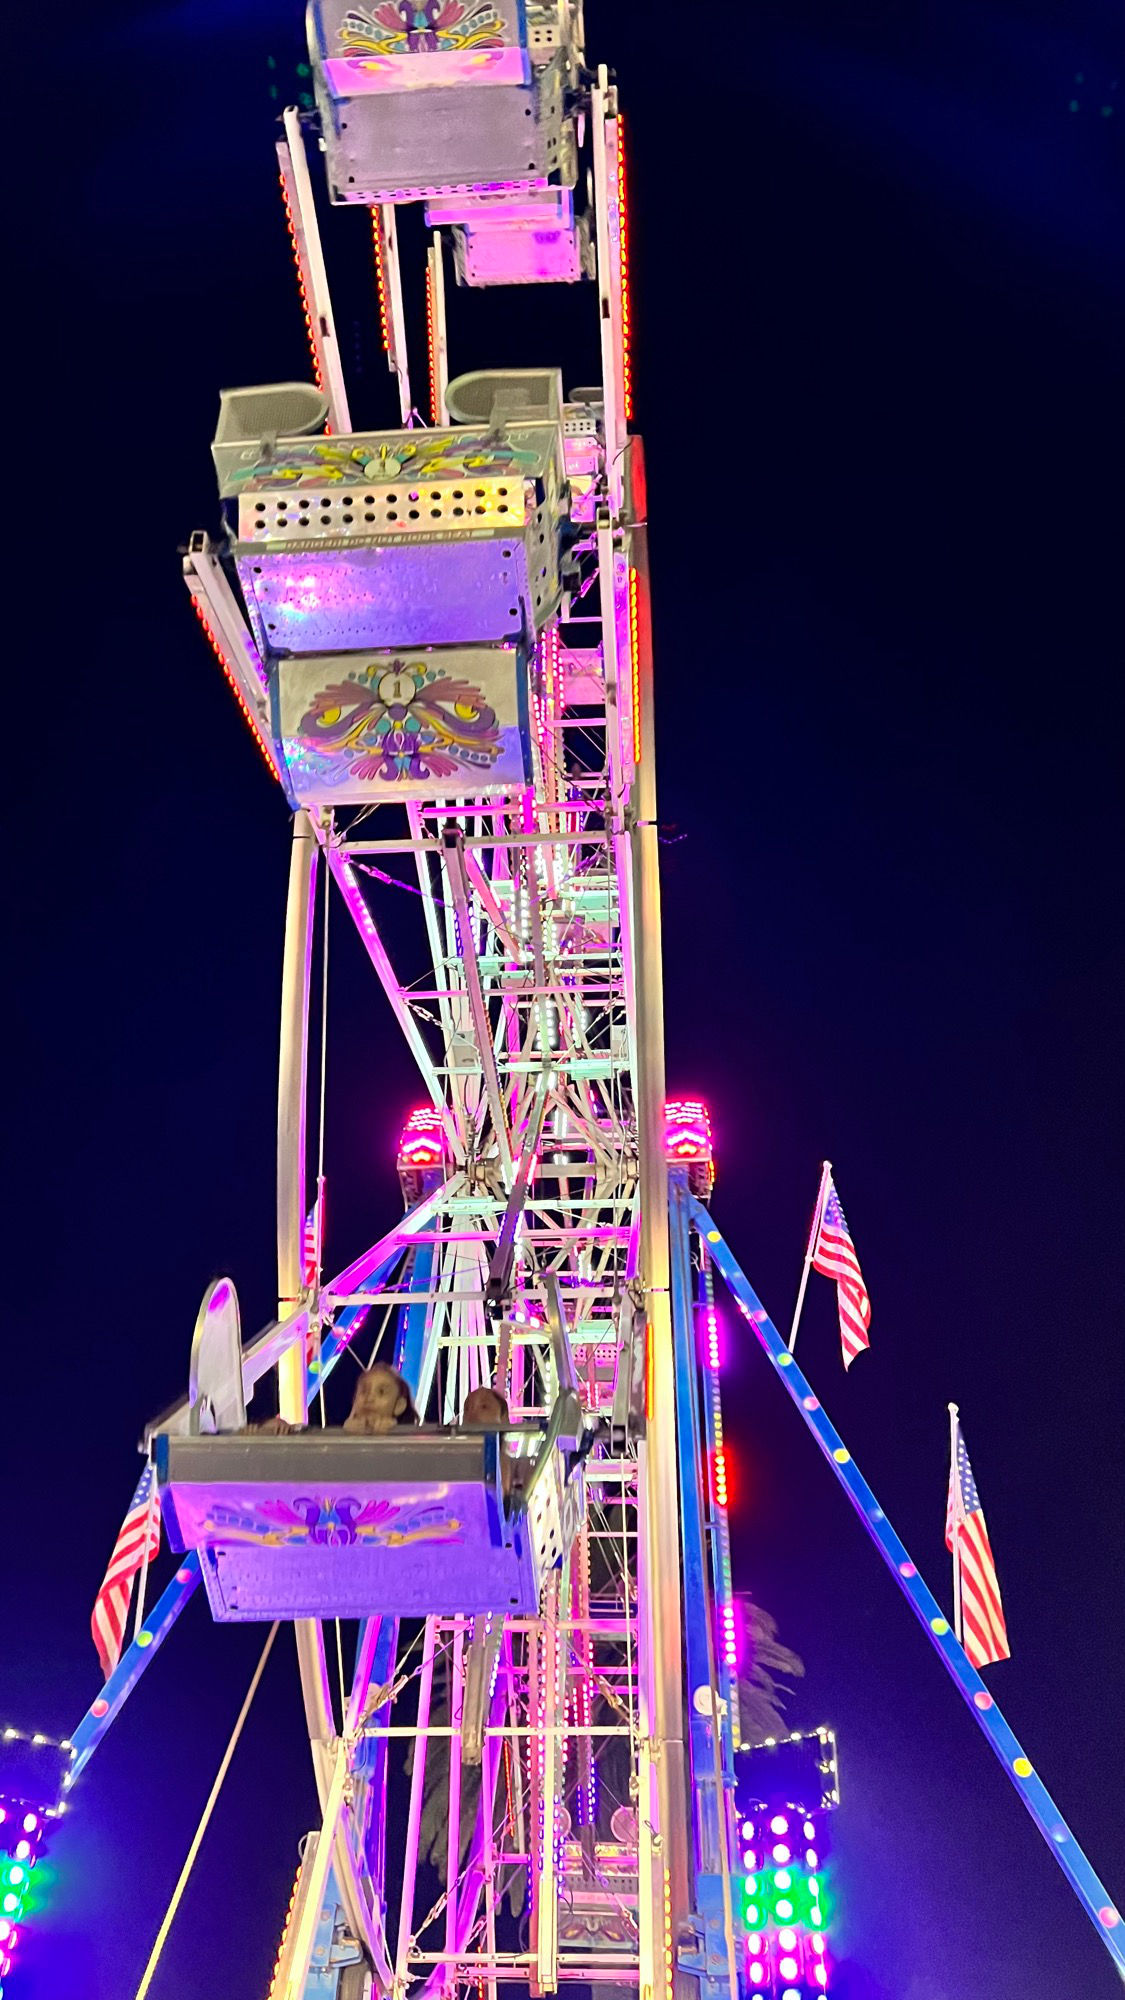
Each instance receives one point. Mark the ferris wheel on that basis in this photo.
(492, 1503)
(438, 637)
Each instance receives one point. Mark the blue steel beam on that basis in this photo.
(413, 1320)
(132, 1663)
(719, 1525)
(1091, 1892)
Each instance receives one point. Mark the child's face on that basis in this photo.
(485, 1406)
(379, 1398)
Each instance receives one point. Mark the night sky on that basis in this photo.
(879, 310)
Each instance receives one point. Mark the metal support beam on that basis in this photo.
(297, 1946)
(483, 889)
(310, 264)
(612, 388)
(438, 342)
(107, 1706)
(499, 1282)
(545, 1887)
(291, 1107)
(669, 1880)
(392, 315)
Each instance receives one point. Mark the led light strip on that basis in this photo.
(303, 286)
(622, 246)
(431, 345)
(220, 655)
(381, 280)
(635, 664)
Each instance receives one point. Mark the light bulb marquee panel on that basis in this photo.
(32, 1772)
(784, 1793)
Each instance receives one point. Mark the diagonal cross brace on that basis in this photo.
(1091, 1892)
(499, 1282)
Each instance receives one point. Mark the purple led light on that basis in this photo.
(729, 1634)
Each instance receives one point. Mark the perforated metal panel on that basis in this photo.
(584, 458)
(384, 148)
(555, 1514)
(332, 513)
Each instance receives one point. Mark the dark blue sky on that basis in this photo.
(879, 314)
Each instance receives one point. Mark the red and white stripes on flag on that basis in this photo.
(311, 1240)
(137, 1542)
(978, 1612)
(833, 1255)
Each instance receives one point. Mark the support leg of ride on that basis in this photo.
(1091, 1892)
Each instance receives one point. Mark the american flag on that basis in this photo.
(310, 1242)
(141, 1526)
(834, 1256)
(984, 1634)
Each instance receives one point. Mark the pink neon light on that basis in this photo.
(635, 659)
(711, 1337)
(365, 75)
(421, 1142)
(687, 1129)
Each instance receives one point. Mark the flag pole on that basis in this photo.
(825, 1173)
(954, 1520)
(142, 1580)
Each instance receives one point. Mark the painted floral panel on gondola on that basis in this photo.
(285, 1517)
(355, 728)
(387, 458)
